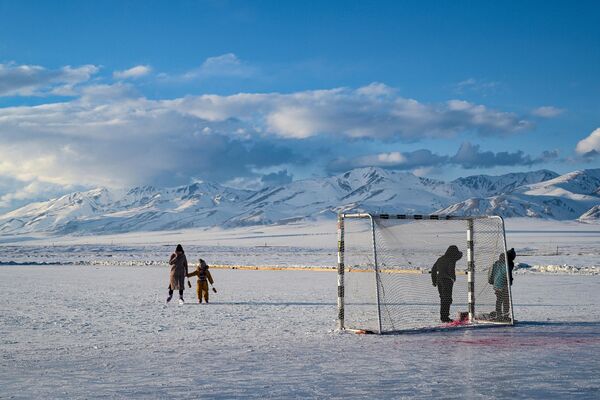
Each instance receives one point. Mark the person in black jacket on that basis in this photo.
(443, 275)
(512, 254)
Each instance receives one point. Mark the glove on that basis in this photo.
(189, 284)
(214, 290)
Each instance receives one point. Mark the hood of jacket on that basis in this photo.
(453, 253)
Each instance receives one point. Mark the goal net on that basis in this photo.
(386, 272)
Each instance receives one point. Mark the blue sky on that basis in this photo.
(250, 93)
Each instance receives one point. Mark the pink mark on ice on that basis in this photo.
(530, 342)
(457, 323)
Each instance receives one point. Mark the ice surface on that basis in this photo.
(106, 332)
(99, 327)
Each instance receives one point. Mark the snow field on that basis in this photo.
(106, 332)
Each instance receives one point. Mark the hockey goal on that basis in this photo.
(385, 281)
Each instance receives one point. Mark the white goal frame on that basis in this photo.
(469, 229)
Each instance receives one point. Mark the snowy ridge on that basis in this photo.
(541, 194)
(593, 214)
(567, 197)
(485, 185)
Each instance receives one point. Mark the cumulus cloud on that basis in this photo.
(127, 142)
(15, 193)
(547, 112)
(134, 72)
(590, 146)
(34, 80)
(468, 156)
(111, 136)
(368, 112)
(106, 138)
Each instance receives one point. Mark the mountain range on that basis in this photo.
(539, 194)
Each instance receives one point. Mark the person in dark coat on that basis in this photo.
(512, 254)
(179, 270)
(443, 275)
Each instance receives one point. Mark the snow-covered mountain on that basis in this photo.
(541, 194)
(591, 215)
(372, 189)
(141, 208)
(486, 185)
(364, 188)
(575, 195)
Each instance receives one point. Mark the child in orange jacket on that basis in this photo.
(204, 277)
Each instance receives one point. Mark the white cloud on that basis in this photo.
(589, 145)
(338, 112)
(481, 86)
(547, 112)
(425, 171)
(106, 138)
(393, 157)
(225, 65)
(34, 80)
(393, 160)
(467, 82)
(376, 89)
(25, 192)
(111, 136)
(228, 60)
(135, 72)
(352, 113)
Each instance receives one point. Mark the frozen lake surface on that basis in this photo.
(565, 246)
(106, 332)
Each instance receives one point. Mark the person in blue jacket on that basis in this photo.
(498, 278)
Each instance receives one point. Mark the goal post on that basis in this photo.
(385, 280)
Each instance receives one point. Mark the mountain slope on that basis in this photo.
(142, 208)
(591, 215)
(564, 197)
(487, 186)
(365, 189)
(359, 189)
